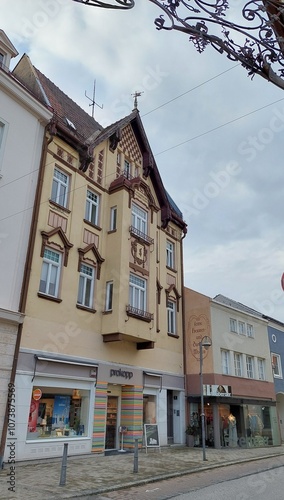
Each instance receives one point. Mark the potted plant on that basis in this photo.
(191, 432)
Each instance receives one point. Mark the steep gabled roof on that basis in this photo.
(64, 108)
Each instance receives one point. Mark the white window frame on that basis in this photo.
(137, 292)
(113, 218)
(51, 270)
(2, 59)
(171, 317)
(233, 325)
(276, 362)
(139, 218)
(225, 359)
(238, 365)
(109, 296)
(60, 187)
(86, 286)
(241, 327)
(249, 366)
(170, 254)
(250, 331)
(261, 368)
(92, 207)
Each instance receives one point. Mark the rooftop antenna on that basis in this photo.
(93, 101)
(135, 95)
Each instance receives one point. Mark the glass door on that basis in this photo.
(111, 423)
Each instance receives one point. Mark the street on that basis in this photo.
(261, 479)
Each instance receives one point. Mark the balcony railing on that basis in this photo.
(139, 234)
(139, 313)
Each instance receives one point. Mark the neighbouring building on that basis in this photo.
(102, 340)
(238, 384)
(22, 129)
(276, 343)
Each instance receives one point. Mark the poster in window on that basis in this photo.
(61, 410)
(33, 414)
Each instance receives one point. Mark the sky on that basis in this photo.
(216, 134)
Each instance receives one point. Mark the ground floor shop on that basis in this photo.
(91, 405)
(235, 423)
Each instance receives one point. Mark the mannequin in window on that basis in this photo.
(233, 436)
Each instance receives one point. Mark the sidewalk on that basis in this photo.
(96, 474)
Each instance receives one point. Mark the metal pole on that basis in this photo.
(135, 468)
(202, 401)
(64, 466)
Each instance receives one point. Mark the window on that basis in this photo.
(170, 254)
(2, 58)
(171, 312)
(2, 126)
(127, 169)
(276, 365)
(233, 325)
(242, 327)
(238, 364)
(249, 363)
(86, 286)
(225, 362)
(139, 219)
(92, 207)
(109, 294)
(137, 292)
(250, 332)
(261, 370)
(113, 218)
(60, 185)
(50, 273)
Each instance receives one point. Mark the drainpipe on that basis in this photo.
(184, 327)
(25, 285)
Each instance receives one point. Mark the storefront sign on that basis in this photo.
(37, 394)
(121, 373)
(253, 442)
(224, 391)
(151, 435)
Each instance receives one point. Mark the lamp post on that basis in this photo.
(206, 342)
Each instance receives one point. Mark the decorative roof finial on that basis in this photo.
(135, 95)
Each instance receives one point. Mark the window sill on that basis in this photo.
(107, 312)
(61, 207)
(171, 269)
(92, 225)
(174, 335)
(49, 297)
(112, 231)
(85, 308)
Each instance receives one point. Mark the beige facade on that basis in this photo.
(102, 342)
(237, 374)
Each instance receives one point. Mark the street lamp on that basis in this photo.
(206, 342)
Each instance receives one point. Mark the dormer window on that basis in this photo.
(70, 124)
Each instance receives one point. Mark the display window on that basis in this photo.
(58, 412)
(149, 409)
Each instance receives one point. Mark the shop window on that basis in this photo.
(149, 409)
(58, 413)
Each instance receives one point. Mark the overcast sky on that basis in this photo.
(217, 135)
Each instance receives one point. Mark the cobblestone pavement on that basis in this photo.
(99, 474)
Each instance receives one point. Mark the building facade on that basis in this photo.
(22, 129)
(238, 385)
(276, 343)
(102, 341)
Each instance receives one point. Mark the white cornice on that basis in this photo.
(11, 316)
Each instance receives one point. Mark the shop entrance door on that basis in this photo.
(170, 425)
(111, 423)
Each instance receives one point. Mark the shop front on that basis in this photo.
(127, 398)
(54, 405)
(232, 422)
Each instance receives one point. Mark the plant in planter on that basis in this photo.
(191, 432)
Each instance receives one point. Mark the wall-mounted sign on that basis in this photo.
(37, 393)
(198, 327)
(224, 391)
(121, 373)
